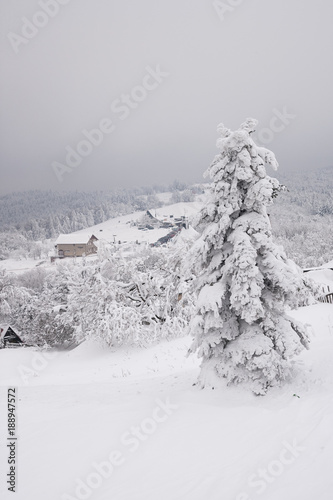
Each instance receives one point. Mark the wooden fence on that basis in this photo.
(327, 295)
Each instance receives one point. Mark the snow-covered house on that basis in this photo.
(75, 245)
(8, 337)
(148, 221)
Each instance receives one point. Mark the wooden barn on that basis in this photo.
(9, 338)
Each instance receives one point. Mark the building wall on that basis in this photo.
(75, 250)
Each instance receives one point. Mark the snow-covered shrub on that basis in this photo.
(6, 293)
(33, 279)
(245, 282)
(41, 317)
(307, 239)
(149, 299)
(139, 300)
(12, 297)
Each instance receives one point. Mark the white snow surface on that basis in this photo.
(322, 276)
(76, 410)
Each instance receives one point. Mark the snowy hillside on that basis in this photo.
(123, 230)
(78, 411)
(117, 229)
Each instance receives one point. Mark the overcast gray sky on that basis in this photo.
(157, 76)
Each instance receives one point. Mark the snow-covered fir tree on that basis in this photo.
(245, 282)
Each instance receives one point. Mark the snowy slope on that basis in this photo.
(323, 276)
(20, 266)
(134, 416)
(120, 226)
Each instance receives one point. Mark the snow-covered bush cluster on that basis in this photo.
(16, 246)
(302, 216)
(307, 239)
(134, 299)
(245, 282)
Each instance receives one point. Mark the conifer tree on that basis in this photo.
(246, 284)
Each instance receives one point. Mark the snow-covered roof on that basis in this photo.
(187, 236)
(4, 329)
(73, 238)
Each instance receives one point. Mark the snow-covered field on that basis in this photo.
(21, 266)
(128, 424)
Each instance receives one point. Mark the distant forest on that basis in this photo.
(28, 220)
(39, 215)
(302, 216)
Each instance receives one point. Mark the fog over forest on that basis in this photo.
(124, 94)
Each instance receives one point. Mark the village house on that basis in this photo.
(148, 221)
(75, 245)
(9, 338)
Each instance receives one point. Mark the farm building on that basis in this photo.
(148, 220)
(75, 245)
(9, 338)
